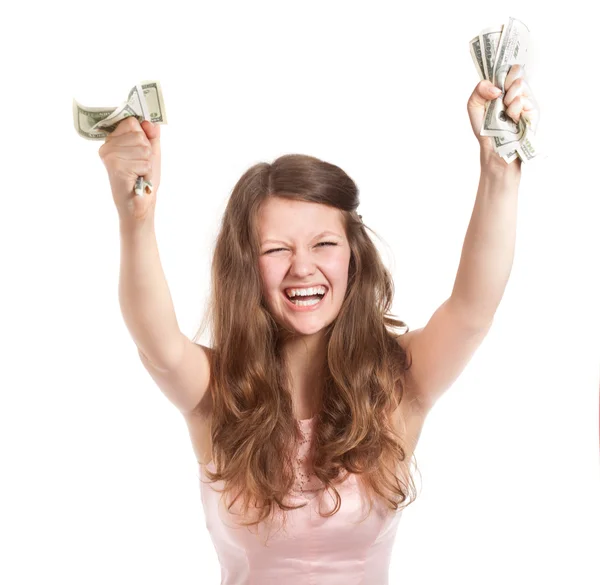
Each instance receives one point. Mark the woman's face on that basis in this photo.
(295, 253)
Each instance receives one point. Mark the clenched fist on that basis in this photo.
(132, 151)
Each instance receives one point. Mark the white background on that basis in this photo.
(100, 484)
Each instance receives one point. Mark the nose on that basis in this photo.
(302, 265)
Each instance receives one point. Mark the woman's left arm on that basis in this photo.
(489, 245)
(441, 350)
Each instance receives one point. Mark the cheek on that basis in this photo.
(272, 274)
(337, 269)
(267, 270)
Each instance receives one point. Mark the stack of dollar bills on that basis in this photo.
(145, 102)
(495, 50)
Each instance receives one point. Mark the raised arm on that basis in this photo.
(145, 298)
(180, 367)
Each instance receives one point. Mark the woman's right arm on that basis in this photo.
(180, 367)
(144, 295)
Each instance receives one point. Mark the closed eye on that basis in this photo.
(319, 244)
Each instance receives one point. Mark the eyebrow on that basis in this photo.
(325, 233)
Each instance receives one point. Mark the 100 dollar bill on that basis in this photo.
(144, 102)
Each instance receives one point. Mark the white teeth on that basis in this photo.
(308, 303)
(295, 292)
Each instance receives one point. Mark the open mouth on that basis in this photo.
(306, 302)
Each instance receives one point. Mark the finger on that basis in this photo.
(129, 124)
(483, 92)
(152, 131)
(532, 112)
(140, 167)
(515, 72)
(152, 134)
(130, 139)
(520, 106)
(134, 153)
(520, 87)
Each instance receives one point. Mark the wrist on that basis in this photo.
(493, 165)
(128, 224)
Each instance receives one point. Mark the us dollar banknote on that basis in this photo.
(144, 102)
(494, 51)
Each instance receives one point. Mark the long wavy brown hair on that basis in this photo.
(253, 429)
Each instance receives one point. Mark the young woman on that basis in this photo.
(305, 411)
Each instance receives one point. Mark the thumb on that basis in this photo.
(152, 132)
(484, 91)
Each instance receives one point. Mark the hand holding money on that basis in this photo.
(517, 100)
(144, 103)
(509, 118)
(132, 152)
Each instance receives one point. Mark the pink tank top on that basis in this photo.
(348, 548)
